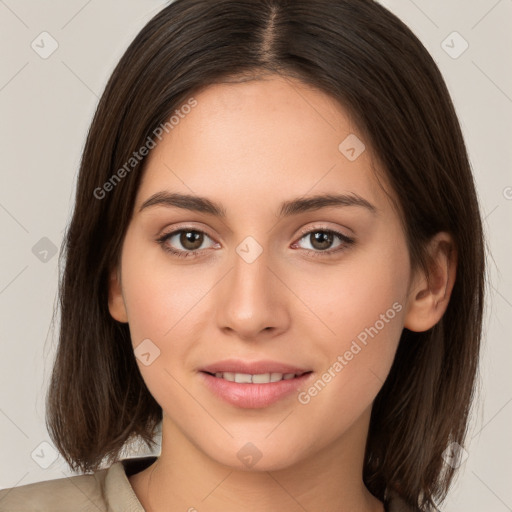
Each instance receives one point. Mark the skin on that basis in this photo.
(250, 146)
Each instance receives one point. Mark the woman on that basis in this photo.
(276, 251)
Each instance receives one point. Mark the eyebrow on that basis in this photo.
(288, 208)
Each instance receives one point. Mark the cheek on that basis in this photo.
(160, 296)
(166, 305)
(361, 304)
(350, 296)
(162, 305)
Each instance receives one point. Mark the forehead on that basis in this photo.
(262, 138)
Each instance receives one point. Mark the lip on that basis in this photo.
(252, 367)
(253, 396)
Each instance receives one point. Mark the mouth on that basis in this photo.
(253, 385)
(259, 378)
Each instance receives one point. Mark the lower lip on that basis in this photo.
(253, 396)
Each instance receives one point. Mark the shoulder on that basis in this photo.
(82, 493)
(105, 490)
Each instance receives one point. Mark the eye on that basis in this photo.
(321, 239)
(190, 239)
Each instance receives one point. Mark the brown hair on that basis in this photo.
(365, 57)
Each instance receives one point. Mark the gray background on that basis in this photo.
(46, 107)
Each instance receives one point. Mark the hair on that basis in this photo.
(363, 56)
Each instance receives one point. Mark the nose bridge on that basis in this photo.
(251, 276)
(249, 299)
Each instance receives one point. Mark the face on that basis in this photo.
(319, 290)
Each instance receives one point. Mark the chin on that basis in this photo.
(257, 455)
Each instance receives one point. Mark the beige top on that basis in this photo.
(106, 490)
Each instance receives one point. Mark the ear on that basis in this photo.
(429, 295)
(116, 303)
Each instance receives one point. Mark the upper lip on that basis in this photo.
(252, 367)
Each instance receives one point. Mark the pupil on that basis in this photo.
(322, 238)
(191, 237)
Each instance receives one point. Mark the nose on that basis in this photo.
(252, 301)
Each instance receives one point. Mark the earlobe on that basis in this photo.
(116, 303)
(429, 295)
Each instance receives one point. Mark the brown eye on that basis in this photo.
(191, 240)
(321, 241)
(184, 242)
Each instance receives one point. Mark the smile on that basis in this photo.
(253, 391)
(261, 378)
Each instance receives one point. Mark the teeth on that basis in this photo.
(247, 378)
(263, 378)
(243, 378)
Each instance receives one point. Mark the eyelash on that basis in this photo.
(328, 253)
